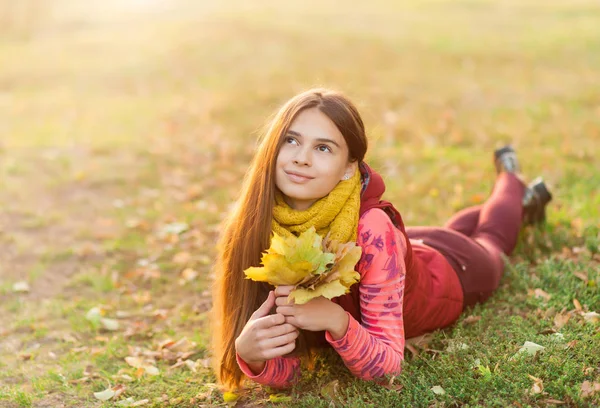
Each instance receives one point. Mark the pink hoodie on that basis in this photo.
(373, 345)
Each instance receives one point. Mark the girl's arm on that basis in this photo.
(377, 347)
(279, 372)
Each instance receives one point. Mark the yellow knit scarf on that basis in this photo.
(337, 213)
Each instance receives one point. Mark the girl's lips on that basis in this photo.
(298, 179)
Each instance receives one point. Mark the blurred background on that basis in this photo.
(126, 127)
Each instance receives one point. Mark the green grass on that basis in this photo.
(121, 122)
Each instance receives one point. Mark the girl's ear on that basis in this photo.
(350, 169)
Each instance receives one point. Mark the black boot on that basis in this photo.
(535, 199)
(505, 159)
(536, 195)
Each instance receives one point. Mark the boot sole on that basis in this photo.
(535, 212)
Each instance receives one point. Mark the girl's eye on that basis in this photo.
(290, 140)
(324, 148)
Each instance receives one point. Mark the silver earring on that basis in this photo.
(346, 177)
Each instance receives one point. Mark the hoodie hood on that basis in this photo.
(373, 188)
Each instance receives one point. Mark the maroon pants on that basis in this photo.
(474, 238)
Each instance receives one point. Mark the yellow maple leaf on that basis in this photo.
(328, 290)
(315, 266)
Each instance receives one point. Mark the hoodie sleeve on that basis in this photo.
(376, 347)
(279, 372)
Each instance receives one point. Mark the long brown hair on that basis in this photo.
(247, 230)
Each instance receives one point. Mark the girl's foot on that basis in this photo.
(536, 197)
(505, 160)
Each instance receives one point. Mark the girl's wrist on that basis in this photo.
(340, 326)
(257, 367)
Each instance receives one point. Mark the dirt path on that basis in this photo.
(57, 212)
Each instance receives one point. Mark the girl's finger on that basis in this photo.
(283, 300)
(270, 321)
(292, 320)
(285, 310)
(280, 330)
(283, 290)
(280, 340)
(280, 351)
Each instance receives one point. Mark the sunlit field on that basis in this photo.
(125, 131)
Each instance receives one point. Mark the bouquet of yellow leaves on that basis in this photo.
(315, 266)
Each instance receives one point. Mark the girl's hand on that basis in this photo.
(317, 314)
(265, 336)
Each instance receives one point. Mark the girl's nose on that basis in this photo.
(302, 158)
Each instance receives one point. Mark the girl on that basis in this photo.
(309, 171)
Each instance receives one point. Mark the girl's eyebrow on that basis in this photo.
(323, 140)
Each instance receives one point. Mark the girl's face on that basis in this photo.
(312, 159)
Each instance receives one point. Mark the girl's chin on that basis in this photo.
(298, 199)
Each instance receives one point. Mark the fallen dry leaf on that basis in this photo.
(130, 402)
(109, 324)
(588, 389)
(182, 344)
(192, 365)
(179, 363)
(560, 320)
(139, 372)
(454, 346)
(538, 385)
(193, 192)
(136, 328)
(572, 344)
(94, 351)
(591, 317)
(79, 380)
(20, 287)
(438, 390)
(95, 315)
(187, 275)
(109, 393)
(330, 390)
(166, 343)
(539, 293)
(582, 276)
(553, 401)
(577, 305)
(182, 258)
(123, 314)
(528, 348)
(392, 385)
(135, 362)
(141, 225)
(471, 319)
(160, 313)
(123, 377)
(146, 273)
(547, 331)
(140, 364)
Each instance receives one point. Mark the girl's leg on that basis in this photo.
(477, 259)
(465, 221)
(501, 216)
